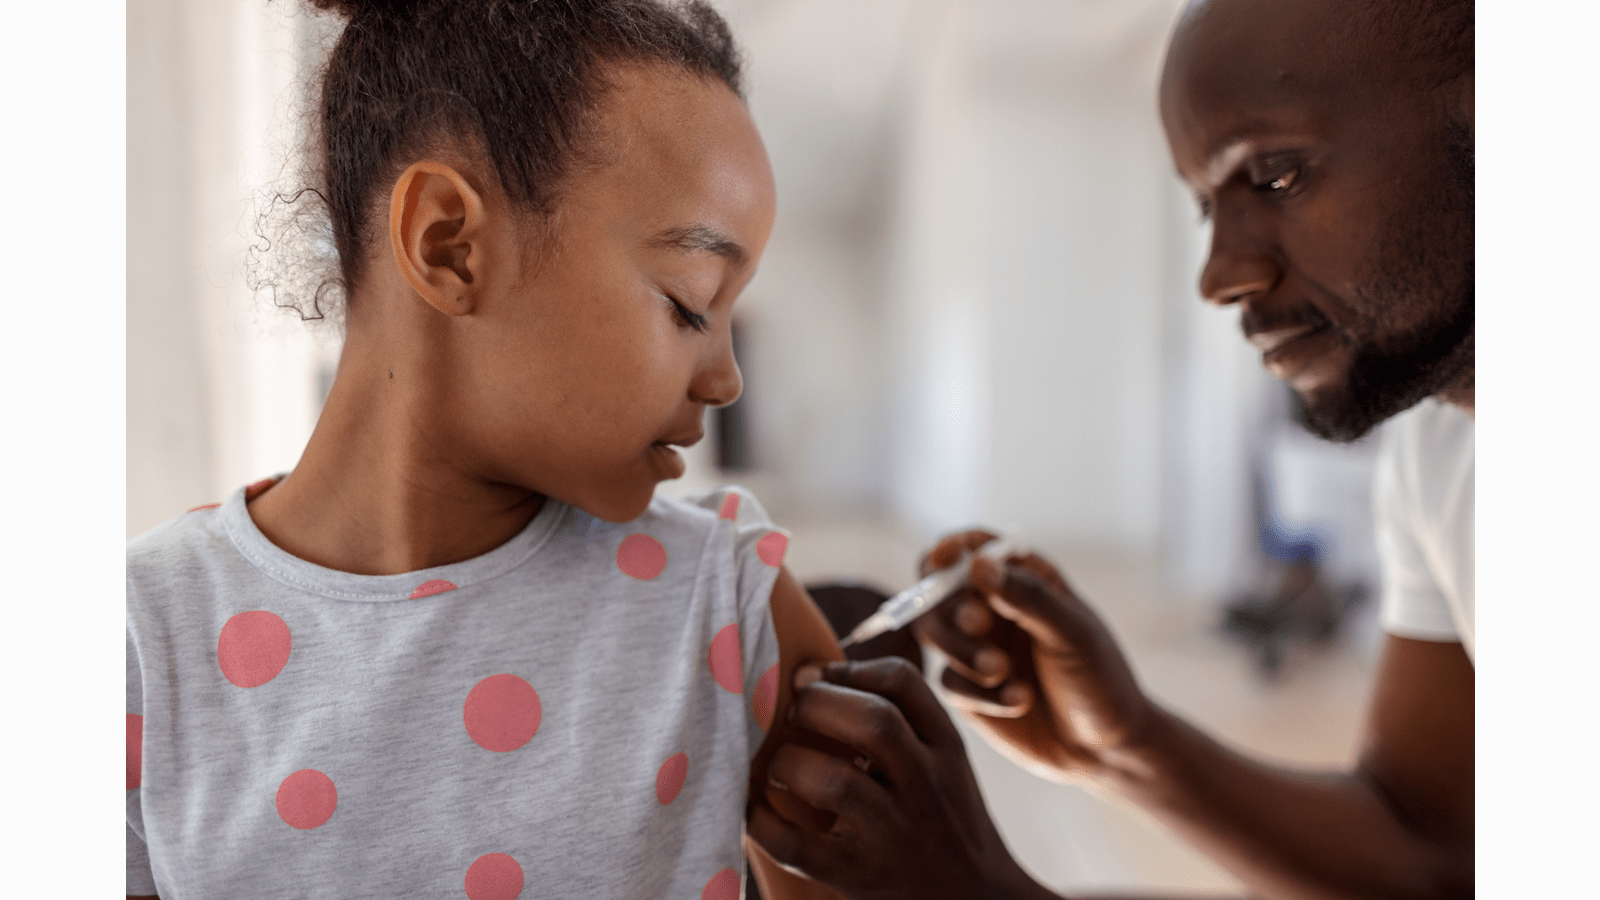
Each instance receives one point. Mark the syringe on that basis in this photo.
(904, 607)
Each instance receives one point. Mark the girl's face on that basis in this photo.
(602, 357)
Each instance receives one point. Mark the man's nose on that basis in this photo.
(1240, 264)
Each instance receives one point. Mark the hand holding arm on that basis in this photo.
(909, 820)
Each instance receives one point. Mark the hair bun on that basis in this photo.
(355, 9)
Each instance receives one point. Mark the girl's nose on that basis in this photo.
(718, 383)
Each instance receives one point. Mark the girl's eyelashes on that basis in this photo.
(1204, 203)
(687, 317)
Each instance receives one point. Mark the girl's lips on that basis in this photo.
(669, 459)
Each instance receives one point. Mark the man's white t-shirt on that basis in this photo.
(1423, 496)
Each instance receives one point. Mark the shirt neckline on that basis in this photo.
(300, 574)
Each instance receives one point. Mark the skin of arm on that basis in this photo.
(1036, 670)
(803, 635)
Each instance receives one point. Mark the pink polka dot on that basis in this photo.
(429, 588)
(723, 886)
(765, 701)
(772, 547)
(669, 780)
(730, 507)
(502, 713)
(727, 668)
(306, 799)
(641, 556)
(253, 648)
(494, 876)
(135, 749)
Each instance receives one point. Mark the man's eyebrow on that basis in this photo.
(699, 239)
(1227, 157)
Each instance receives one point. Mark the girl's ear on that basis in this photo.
(436, 230)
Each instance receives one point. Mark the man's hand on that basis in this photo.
(910, 821)
(1032, 666)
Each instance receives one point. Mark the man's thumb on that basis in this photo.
(1021, 597)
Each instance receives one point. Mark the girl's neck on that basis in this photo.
(375, 493)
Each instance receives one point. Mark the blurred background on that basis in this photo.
(977, 307)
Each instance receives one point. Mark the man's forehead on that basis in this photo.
(1239, 71)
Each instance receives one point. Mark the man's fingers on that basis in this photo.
(1047, 573)
(828, 783)
(1011, 700)
(818, 855)
(980, 661)
(900, 685)
(1050, 614)
(950, 548)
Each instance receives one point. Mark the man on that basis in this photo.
(1330, 144)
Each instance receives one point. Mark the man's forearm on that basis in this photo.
(1288, 835)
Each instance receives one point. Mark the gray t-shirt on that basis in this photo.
(572, 714)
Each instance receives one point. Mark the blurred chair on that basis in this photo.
(846, 604)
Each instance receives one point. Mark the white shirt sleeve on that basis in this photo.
(1412, 601)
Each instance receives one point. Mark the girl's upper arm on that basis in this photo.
(803, 635)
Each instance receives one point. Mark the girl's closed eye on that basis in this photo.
(687, 317)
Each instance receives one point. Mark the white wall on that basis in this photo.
(221, 386)
(974, 328)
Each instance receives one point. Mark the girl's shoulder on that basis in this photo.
(195, 534)
(726, 503)
(728, 510)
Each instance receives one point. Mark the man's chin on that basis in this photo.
(1336, 417)
(1348, 412)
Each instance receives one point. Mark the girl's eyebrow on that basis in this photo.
(699, 239)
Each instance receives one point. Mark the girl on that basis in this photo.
(462, 648)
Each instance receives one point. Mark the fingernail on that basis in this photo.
(972, 618)
(807, 674)
(1014, 694)
(986, 575)
(989, 661)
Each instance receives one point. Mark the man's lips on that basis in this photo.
(1271, 340)
(1304, 354)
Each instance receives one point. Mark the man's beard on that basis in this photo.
(1381, 384)
(1430, 262)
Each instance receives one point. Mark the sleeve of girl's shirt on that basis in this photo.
(140, 880)
(758, 550)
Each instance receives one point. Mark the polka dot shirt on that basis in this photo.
(569, 715)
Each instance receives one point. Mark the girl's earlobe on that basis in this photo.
(436, 227)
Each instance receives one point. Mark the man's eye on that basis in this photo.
(1279, 181)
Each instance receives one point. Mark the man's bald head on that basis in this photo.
(1422, 43)
(1330, 143)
